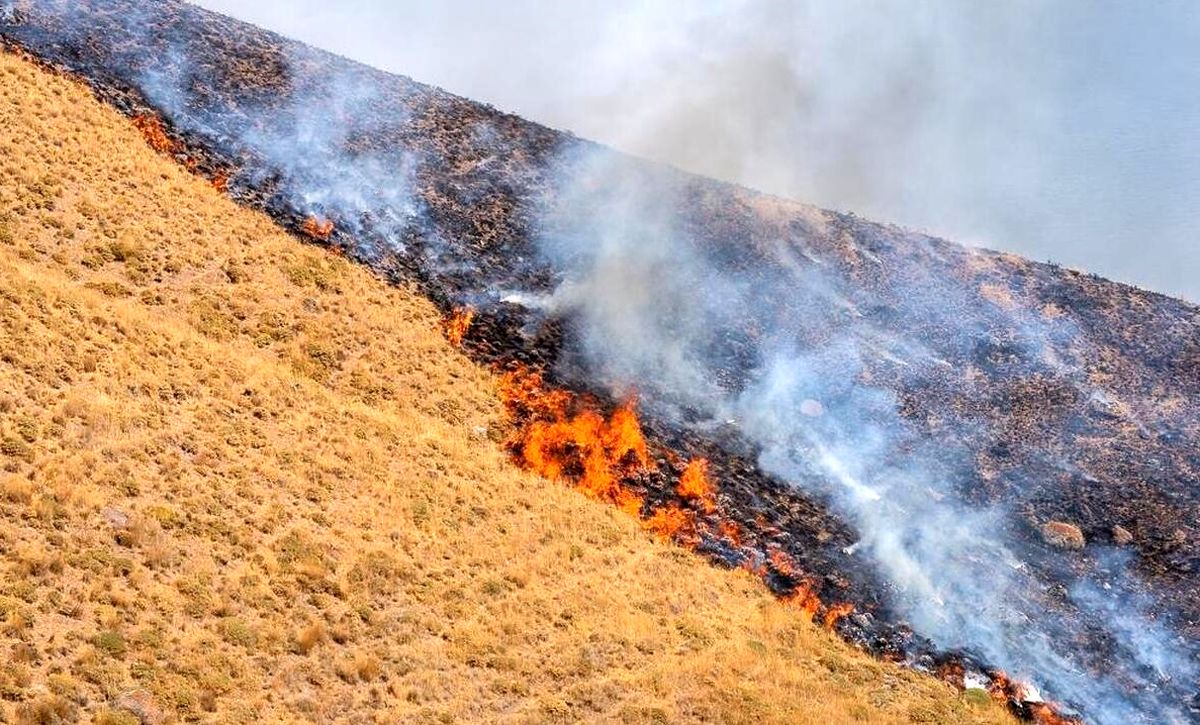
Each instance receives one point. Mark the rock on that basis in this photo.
(115, 517)
(1063, 535)
(812, 408)
(1121, 535)
(141, 705)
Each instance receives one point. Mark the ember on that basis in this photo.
(319, 229)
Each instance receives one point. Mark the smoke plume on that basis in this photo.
(658, 310)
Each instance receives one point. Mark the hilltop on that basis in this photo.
(244, 479)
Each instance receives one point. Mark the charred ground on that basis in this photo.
(1092, 421)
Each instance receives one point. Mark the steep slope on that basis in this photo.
(990, 460)
(246, 480)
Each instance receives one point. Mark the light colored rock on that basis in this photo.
(116, 518)
(141, 704)
(1063, 535)
(1121, 535)
(812, 408)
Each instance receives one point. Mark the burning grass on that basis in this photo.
(567, 437)
(561, 437)
(155, 133)
(317, 229)
(457, 324)
(695, 485)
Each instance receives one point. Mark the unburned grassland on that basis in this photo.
(244, 480)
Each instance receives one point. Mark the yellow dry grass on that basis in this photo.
(243, 480)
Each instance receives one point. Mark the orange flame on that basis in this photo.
(593, 451)
(694, 485)
(457, 324)
(803, 599)
(782, 563)
(220, 182)
(1000, 687)
(1005, 689)
(319, 229)
(952, 672)
(1044, 714)
(565, 437)
(671, 522)
(731, 532)
(154, 132)
(835, 613)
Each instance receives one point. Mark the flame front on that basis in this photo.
(835, 613)
(805, 602)
(566, 437)
(155, 133)
(585, 447)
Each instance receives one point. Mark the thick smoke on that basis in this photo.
(658, 311)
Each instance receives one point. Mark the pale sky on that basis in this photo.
(1063, 130)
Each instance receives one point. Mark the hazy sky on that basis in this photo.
(1064, 130)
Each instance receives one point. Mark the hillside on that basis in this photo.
(246, 480)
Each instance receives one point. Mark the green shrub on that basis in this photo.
(110, 643)
(236, 631)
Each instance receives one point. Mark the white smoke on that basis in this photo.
(657, 309)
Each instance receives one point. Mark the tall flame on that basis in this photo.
(694, 485)
(457, 324)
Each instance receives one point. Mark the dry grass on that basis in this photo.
(242, 480)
